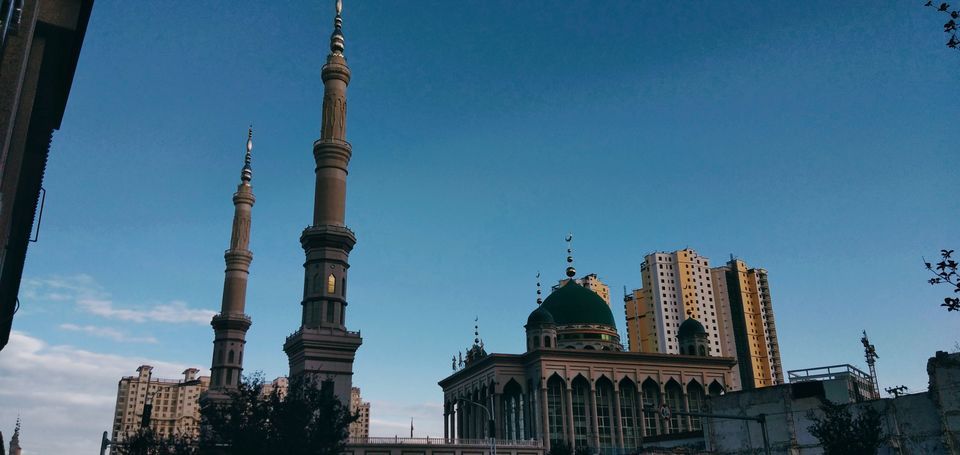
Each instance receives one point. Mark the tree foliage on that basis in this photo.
(945, 272)
(560, 447)
(305, 421)
(949, 27)
(841, 434)
(146, 441)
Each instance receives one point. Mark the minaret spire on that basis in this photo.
(15, 439)
(571, 271)
(230, 326)
(336, 38)
(247, 173)
(323, 348)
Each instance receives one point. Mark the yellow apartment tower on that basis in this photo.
(754, 332)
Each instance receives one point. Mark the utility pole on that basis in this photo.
(491, 426)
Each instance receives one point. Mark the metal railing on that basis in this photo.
(444, 441)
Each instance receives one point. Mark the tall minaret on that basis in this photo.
(15, 440)
(230, 326)
(323, 348)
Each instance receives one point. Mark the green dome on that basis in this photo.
(690, 327)
(540, 316)
(574, 304)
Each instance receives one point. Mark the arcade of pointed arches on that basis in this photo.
(603, 414)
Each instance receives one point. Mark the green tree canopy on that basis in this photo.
(841, 434)
(305, 421)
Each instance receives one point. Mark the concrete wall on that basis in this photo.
(921, 423)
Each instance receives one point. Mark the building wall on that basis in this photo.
(598, 399)
(747, 296)
(361, 427)
(728, 342)
(732, 302)
(920, 423)
(438, 446)
(675, 285)
(175, 403)
(641, 319)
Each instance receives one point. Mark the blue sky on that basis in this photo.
(813, 139)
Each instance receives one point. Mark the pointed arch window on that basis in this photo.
(628, 414)
(581, 390)
(555, 417)
(331, 284)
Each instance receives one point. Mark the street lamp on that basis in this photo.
(491, 428)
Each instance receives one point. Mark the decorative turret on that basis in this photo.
(230, 326)
(476, 352)
(692, 338)
(322, 347)
(541, 326)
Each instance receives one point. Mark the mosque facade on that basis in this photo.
(576, 384)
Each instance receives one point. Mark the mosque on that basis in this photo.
(576, 384)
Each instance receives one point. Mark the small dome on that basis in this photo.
(540, 316)
(690, 327)
(574, 304)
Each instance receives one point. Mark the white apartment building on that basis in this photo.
(676, 286)
(172, 403)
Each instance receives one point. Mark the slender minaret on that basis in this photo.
(322, 348)
(15, 440)
(230, 326)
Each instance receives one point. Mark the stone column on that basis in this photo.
(594, 418)
(685, 405)
(569, 419)
(521, 417)
(642, 414)
(618, 418)
(544, 419)
(496, 404)
(446, 421)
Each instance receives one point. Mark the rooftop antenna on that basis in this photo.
(571, 272)
(539, 300)
(870, 352)
(897, 391)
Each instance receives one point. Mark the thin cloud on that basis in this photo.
(107, 332)
(64, 391)
(91, 298)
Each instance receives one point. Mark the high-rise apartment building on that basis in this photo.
(169, 405)
(591, 282)
(751, 321)
(732, 302)
(359, 429)
(676, 286)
